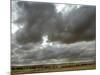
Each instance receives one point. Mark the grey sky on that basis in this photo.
(42, 31)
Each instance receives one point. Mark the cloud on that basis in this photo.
(71, 32)
(42, 18)
(79, 25)
(80, 50)
(33, 17)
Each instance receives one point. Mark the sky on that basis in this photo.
(47, 32)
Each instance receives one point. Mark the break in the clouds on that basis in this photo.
(42, 31)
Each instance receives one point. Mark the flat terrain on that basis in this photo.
(52, 68)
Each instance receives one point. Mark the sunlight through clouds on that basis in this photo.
(14, 28)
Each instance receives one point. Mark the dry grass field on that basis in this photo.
(52, 68)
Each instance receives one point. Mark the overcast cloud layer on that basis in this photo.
(43, 31)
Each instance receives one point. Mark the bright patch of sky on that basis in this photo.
(14, 28)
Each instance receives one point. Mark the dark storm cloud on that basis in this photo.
(80, 19)
(34, 16)
(78, 25)
(41, 18)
